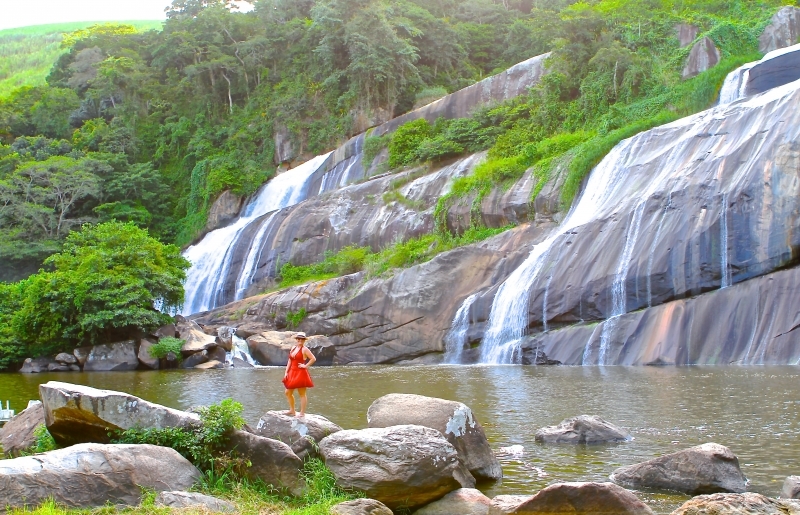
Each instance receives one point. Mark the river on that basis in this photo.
(753, 410)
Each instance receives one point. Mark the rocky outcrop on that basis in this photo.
(401, 466)
(38, 365)
(703, 56)
(88, 475)
(573, 498)
(271, 348)
(114, 357)
(195, 340)
(223, 210)
(583, 429)
(271, 461)
(17, 434)
(776, 69)
(77, 414)
(705, 469)
(737, 504)
(284, 149)
(179, 499)
(301, 434)
(146, 359)
(464, 501)
(686, 34)
(454, 420)
(782, 31)
(361, 507)
(791, 488)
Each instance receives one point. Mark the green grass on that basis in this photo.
(28, 53)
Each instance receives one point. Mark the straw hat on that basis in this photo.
(300, 336)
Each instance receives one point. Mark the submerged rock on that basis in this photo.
(574, 499)
(179, 499)
(583, 429)
(361, 507)
(791, 488)
(454, 420)
(464, 501)
(17, 435)
(401, 466)
(113, 357)
(748, 503)
(301, 434)
(88, 475)
(705, 469)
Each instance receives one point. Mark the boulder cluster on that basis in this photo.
(418, 454)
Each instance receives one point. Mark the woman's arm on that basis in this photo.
(311, 359)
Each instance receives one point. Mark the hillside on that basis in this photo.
(28, 53)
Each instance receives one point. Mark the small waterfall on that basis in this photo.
(240, 350)
(587, 350)
(735, 84)
(456, 339)
(211, 257)
(725, 272)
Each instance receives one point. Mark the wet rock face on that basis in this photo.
(114, 357)
(77, 414)
(573, 498)
(401, 466)
(703, 56)
(783, 30)
(705, 469)
(748, 503)
(301, 434)
(88, 475)
(775, 70)
(583, 429)
(223, 210)
(452, 419)
(17, 434)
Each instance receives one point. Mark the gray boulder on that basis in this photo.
(575, 499)
(748, 503)
(361, 507)
(210, 365)
(77, 414)
(164, 331)
(271, 348)
(301, 434)
(686, 34)
(194, 500)
(217, 354)
(703, 56)
(782, 31)
(402, 466)
(271, 461)
(195, 339)
(774, 71)
(114, 357)
(223, 210)
(66, 359)
(225, 336)
(17, 435)
(37, 365)
(198, 358)
(583, 429)
(791, 488)
(82, 354)
(464, 501)
(145, 358)
(705, 469)
(454, 420)
(89, 475)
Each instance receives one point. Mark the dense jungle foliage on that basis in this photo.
(145, 129)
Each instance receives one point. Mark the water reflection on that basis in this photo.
(753, 410)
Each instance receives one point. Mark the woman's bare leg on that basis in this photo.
(303, 401)
(290, 398)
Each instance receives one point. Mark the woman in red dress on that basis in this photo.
(296, 376)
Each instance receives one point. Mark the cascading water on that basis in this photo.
(240, 350)
(735, 84)
(725, 272)
(456, 339)
(211, 257)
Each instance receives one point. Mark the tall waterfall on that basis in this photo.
(211, 257)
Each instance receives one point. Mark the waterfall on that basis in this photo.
(456, 339)
(253, 257)
(240, 350)
(725, 273)
(211, 258)
(735, 84)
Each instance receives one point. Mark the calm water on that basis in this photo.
(753, 410)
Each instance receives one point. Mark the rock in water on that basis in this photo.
(301, 434)
(17, 435)
(748, 503)
(77, 414)
(583, 429)
(401, 466)
(453, 419)
(89, 475)
(194, 500)
(361, 507)
(791, 488)
(707, 468)
(573, 499)
(114, 357)
(36, 366)
(464, 501)
(145, 358)
(271, 461)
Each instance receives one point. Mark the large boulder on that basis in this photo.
(223, 210)
(361, 507)
(575, 499)
(703, 56)
(76, 414)
(113, 357)
(583, 429)
(401, 466)
(37, 365)
(775, 70)
(705, 469)
(464, 501)
(748, 503)
(453, 419)
(195, 340)
(783, 30)
(791, 488)
(66, 358)
(198, 358)
(271, 461)
(271, 348)
(145, 358)
(89, 475)
(194, 500)
(17, 435)
(301, 434)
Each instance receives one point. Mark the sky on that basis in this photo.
(21, 13)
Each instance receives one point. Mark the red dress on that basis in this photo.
(297, 377)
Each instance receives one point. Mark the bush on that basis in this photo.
(405, 141)
(166, 345)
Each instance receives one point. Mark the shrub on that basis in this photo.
(405, 140)
(293, 318)
(372, 147)
(166, 345)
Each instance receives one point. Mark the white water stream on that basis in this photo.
(456, 339)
